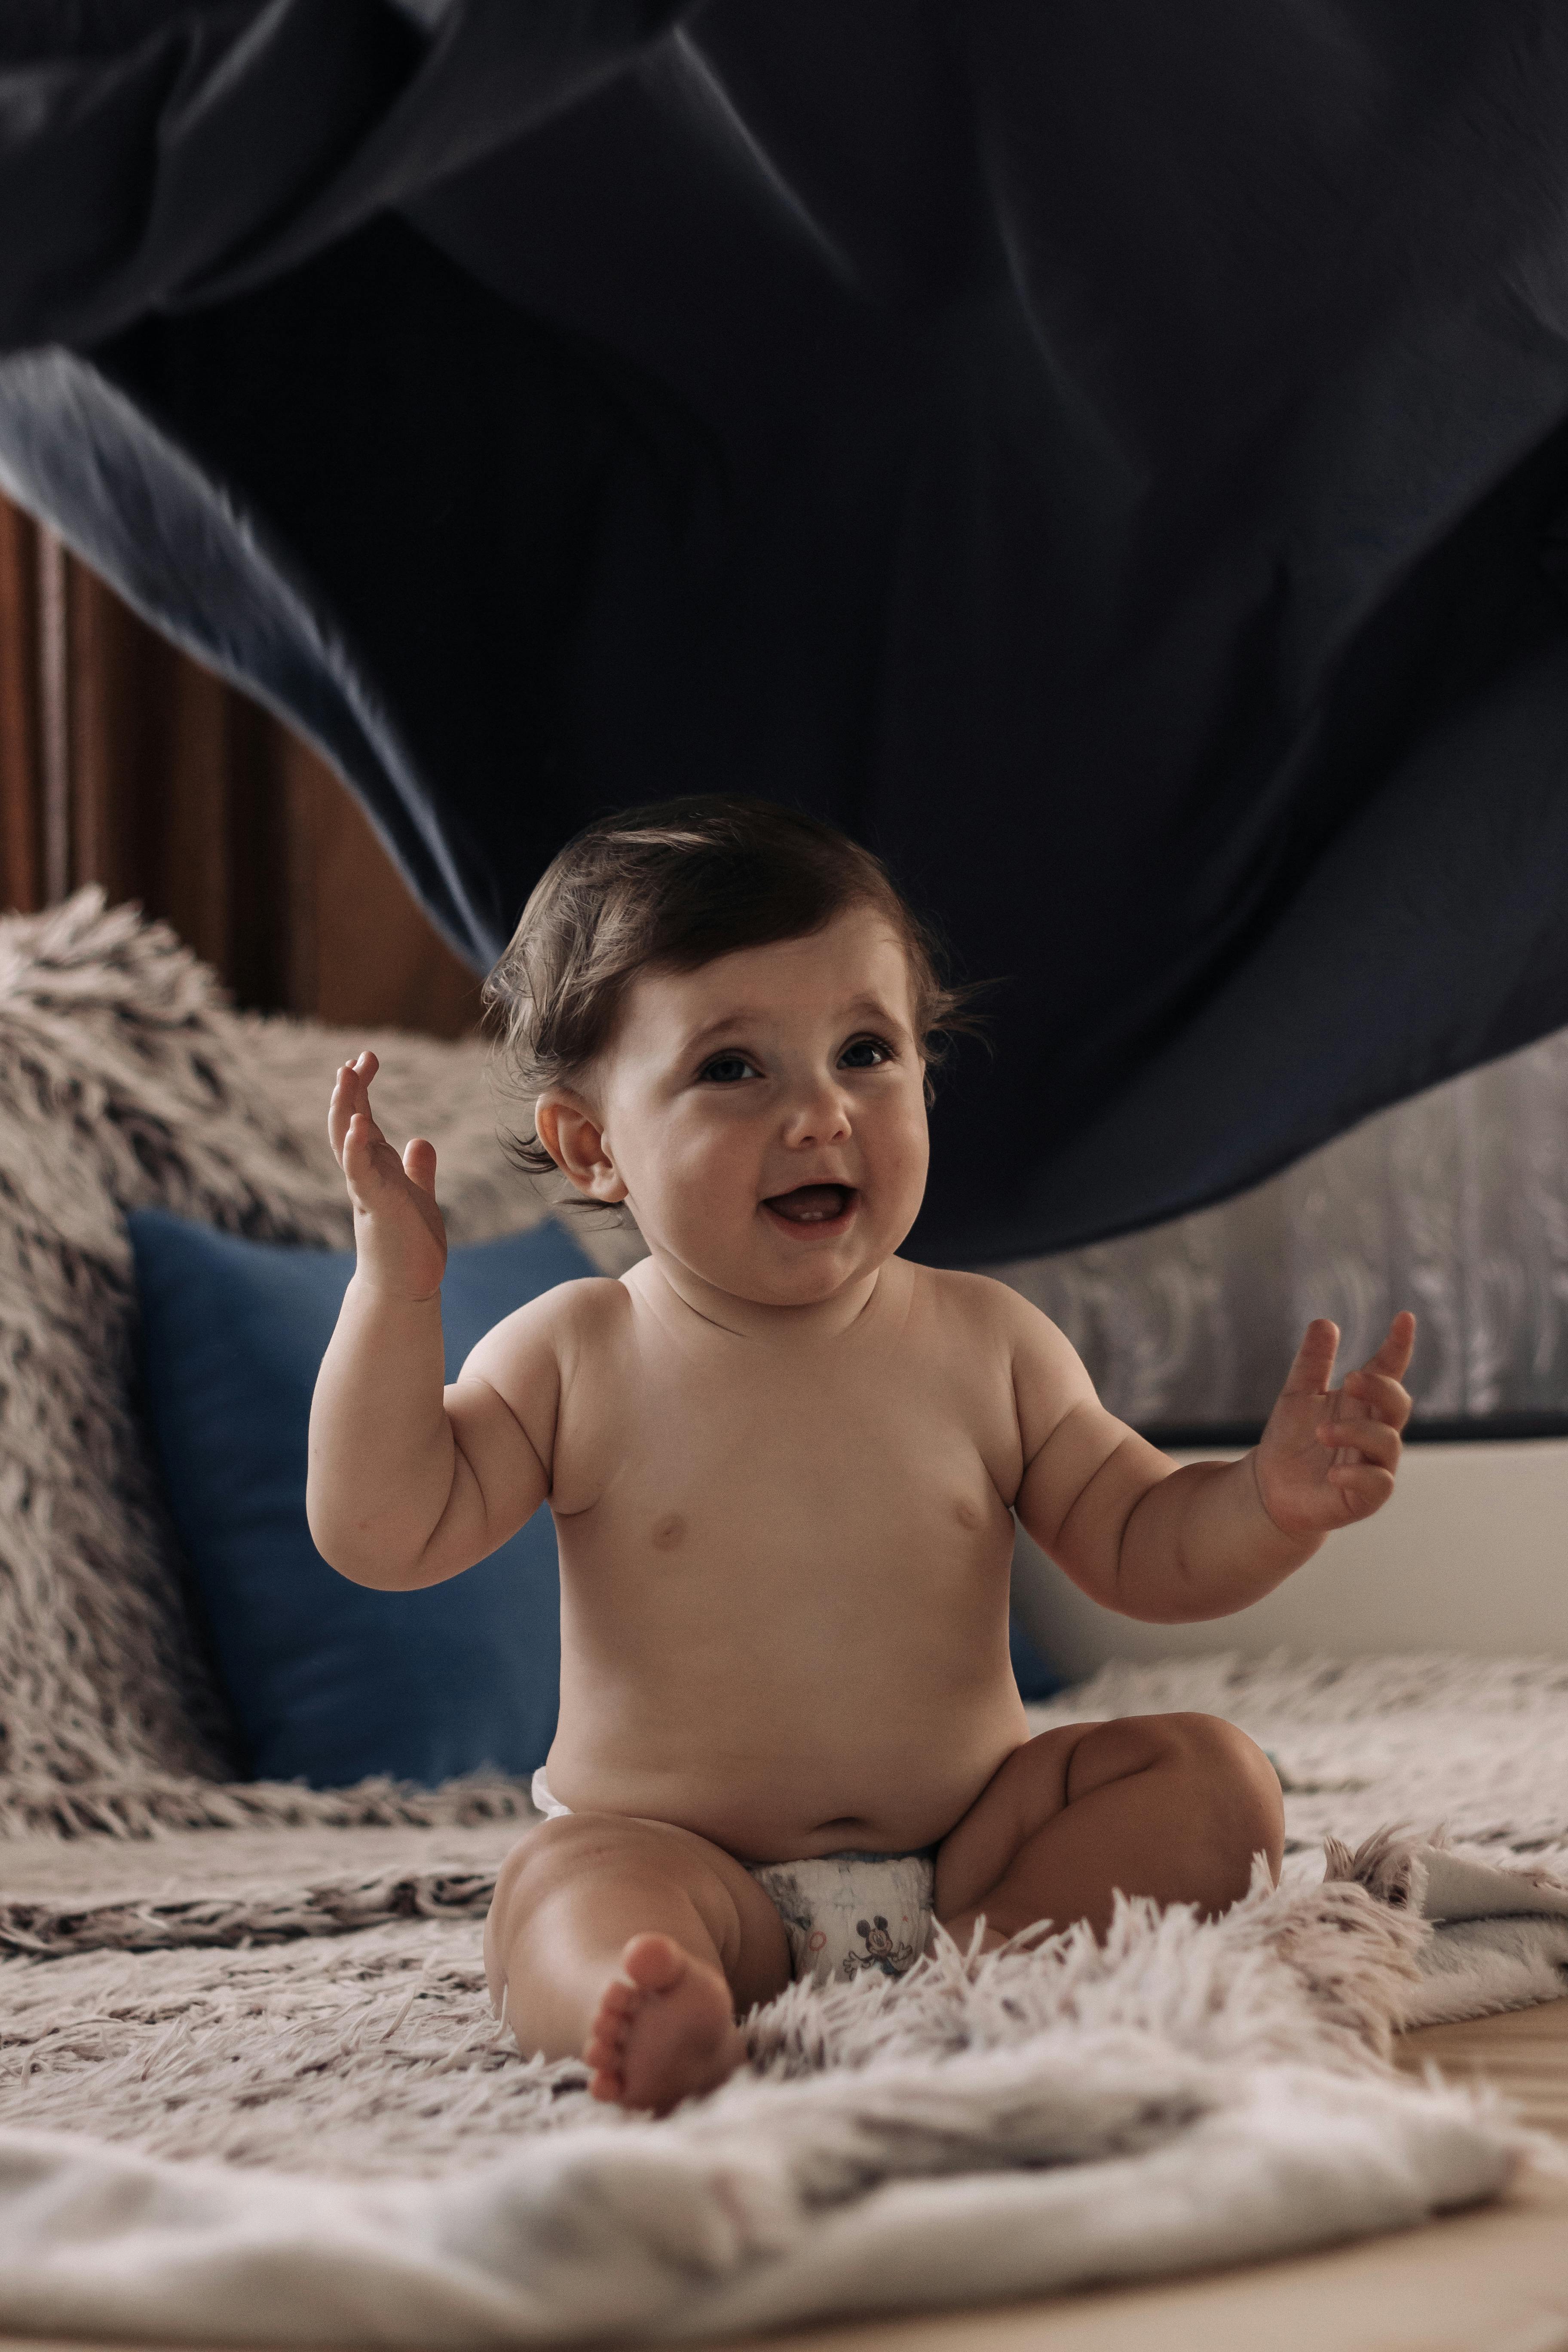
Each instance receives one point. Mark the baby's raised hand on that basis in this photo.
(399, 1234)
(1329, 1456)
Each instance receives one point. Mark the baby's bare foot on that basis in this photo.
(666, 2034)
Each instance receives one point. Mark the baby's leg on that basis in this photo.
(1173, 1806)
(631, 1945)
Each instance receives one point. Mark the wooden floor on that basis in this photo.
(1490, 2281)
(1525, 2056)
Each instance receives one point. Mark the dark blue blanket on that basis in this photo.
(1111, 456)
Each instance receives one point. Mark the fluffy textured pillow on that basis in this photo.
(127, 1082)
(330, 1683)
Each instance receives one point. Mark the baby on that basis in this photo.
(783, 1463)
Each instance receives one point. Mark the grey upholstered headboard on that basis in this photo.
(1454, 1203)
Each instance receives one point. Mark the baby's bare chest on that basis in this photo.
(803, 1459)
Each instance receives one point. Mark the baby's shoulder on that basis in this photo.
(573, 1320)
(992, 1314)
(975, 1299)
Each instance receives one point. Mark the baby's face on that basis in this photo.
(766, 1112)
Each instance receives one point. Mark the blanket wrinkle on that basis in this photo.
(635, 2231)
(266, 1916)
(1496, 1939)
(140, 1806)
(1392, 1864)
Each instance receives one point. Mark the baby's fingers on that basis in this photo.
(1394, 1356)
(350, 1093)
(1314, 1366)
(419, 1163)
(1361, 1489)
(368, 1158)
(340, 1111)
(1373, 1440)
(1380, 1395)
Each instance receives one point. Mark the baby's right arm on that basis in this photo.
(411, 1481)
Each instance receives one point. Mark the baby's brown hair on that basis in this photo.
(670, 887)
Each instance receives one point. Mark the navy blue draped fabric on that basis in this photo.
(1113, 459)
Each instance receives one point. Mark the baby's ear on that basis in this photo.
(569, 1129)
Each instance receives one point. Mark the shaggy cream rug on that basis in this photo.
(315, 1995)
(308, 2005)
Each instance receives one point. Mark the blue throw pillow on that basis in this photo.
(328, 1682)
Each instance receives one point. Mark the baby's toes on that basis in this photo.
(655, 1963)
(602, 2049)
(618, 2004)
(606, 2046)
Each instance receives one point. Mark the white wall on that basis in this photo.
(1470, 1555)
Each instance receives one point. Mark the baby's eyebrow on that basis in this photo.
(743, 1016)
(871, 1008)
(749, 1016)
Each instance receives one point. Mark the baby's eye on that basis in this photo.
(865, 1053)
(727, 1069)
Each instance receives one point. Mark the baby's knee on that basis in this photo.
(549, 1857)
(500, 1918)
(558, 1852)
(1241, 1786)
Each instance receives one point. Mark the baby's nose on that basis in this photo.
(823, 1116)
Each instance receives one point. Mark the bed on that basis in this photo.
(253, 2090)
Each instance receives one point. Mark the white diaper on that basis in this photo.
(844, 1915)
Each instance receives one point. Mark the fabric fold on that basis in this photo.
(1114, 465)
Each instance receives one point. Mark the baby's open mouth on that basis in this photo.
(813, 1204)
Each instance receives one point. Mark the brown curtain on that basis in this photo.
(123, 762)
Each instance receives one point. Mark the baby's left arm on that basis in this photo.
(1171, 1545)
